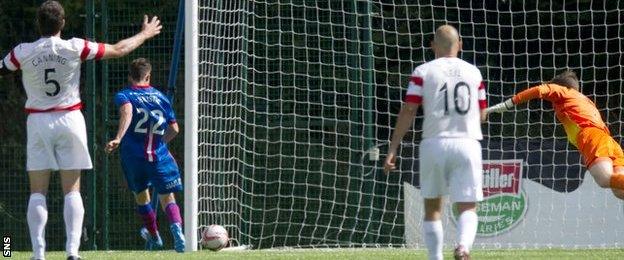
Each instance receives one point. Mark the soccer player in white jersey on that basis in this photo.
(56, 132)
(452, 94)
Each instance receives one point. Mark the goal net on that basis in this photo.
(296, 101)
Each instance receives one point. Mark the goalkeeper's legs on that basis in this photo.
(607, 176)
(432, 228)
(602, 171)
(73, 210)
(618, 193)
(37, 214)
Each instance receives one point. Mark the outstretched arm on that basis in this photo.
(125, 118)
(403, 124)
(150, 29)
(544, 91)
(500, 107)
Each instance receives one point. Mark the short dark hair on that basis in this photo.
(50, 16)
(567, 79)
(139, 68)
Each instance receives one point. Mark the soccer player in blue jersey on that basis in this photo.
(56, 135)
(147, 123)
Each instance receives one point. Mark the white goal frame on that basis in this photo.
(191, 86)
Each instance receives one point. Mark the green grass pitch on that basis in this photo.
(327, 254)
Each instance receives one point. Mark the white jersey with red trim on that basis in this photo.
(451, 92)
(51, 71)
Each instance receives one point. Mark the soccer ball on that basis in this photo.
(215, 237)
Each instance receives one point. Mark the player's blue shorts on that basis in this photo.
(163, 175)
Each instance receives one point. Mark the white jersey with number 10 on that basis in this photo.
(452, 93)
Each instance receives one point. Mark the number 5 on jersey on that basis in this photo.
(48, 81)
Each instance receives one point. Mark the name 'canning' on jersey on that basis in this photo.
(151, 115)
(452, 94)
(51, 71)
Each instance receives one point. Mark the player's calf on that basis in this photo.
(467, 223)
(173, 215)
(149, 218)
(73, 213)
(37, 216)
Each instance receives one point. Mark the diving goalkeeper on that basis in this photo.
(583, 125)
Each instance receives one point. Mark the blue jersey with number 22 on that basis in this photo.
(151, 115)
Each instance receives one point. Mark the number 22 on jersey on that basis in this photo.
(143, 126)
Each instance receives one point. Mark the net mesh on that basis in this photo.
(294, 94)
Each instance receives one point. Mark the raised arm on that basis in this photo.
(526, 95)
(150, 29)
(125, 118)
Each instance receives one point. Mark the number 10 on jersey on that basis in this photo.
(461, 98)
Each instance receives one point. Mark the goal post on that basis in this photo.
(191, 82)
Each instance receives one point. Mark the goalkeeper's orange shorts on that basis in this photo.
(595, 142)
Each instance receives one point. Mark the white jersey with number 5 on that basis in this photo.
(452, 93)
(51, 71)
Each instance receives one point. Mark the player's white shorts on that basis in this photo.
(57, 141)
(451, 163)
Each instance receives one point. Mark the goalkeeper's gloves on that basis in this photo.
(501, 107)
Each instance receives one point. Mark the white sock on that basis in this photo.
(434, 237)
(73, 213)
(37, 216)
(467, 229)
